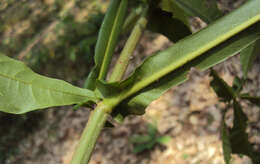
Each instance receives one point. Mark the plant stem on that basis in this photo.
(129, 48)
(132, 18)
(90, 134)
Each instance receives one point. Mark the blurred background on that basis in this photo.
(56, 38)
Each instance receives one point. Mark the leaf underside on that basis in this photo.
(23, 90)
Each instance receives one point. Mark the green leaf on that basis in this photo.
(247, 57)
(222, 89)
(23, 91)
(190, 48)
(152, 129)
(163, 140)
(107, 39)
(238, 136)
(238, 84)
(227, 150)
(252, 99)
(145, 146)
(140, 138)
(183, 9)
(163, 23)
(138, 102)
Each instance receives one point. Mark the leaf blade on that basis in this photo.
(247, 57)
(183, 9)
(138, 102)
(23, 90)
(187, 49)
(107, 39)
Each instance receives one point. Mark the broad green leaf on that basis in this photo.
(183, 9)
(222, 89)
(107, 39)
(226, 145)
(22, 90)
(163, 23)
(247, 57)
(252, 99)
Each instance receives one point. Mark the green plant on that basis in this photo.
(22, 90)
(146, 142)
(235, 139)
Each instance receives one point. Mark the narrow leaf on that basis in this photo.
(23, 91)
(190, 48)
(173, 57)
(137, 103)
(222, 89)
(107, 39)
(247, 57)
(227, 151)
(252, 99)
(238, 84)
(238, 136)
(207, 10)
(163, 23)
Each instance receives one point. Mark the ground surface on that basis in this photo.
(190, 114)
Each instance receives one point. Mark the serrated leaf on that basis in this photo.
(183, 9)
(221, 88)
(107, 39)
(252, 99)
(163, 23)
(137, 103)
(23, 91)
(226, 145)
(247, 57)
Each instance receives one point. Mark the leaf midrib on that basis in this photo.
(145, 82)
(51, 89)
(104, 63)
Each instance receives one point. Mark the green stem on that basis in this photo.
(90, 134)
(129, 48)
(131, 19)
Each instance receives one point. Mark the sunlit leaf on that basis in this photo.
(107, 39)
(139, 101)
(23, 91)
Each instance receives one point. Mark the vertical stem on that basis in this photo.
(131, 19)
(130, 46)
(90, 134)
